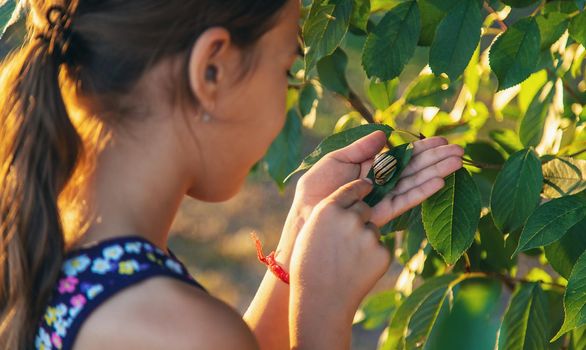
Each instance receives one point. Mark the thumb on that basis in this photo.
(351, 192)
(361, 149)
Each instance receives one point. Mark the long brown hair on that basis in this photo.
(93, 51)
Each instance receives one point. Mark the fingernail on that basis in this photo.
(367, 179)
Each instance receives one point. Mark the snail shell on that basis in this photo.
(384, 167)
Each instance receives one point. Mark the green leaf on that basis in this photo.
(392, 42)
(324, 29)
(525, 325)
(360, 14)
(378, 309)
(484, 152)
(456, 39)
(398, 327)
(348, 121)
(493, 245)
(551, 28)
(578, 28)
(563, 254)
(332, 72)
(444, 5)
(337, 141)
(431, 16)
(308, 99)
(578, 341)
(451, 216)
(6, 9)
(285, 151)
(507, 140)
(551, 221)
(519, 3)
(473, 319)
(13, 28)
(563, 177)
(575, 298)
(428, 91)
(563, 6)
(514, 55)
(413, 238)
(533, 123)
(515, 193)
(382, 94)
(530, 88)
(424, 319)
(403, 155)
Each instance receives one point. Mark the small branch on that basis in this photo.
(537, 9)
(492, 31)
(359, 106)
(419, 137)
(499, 21)
(467, 263)
(295, 86)
(577, 153)
(482, 165)
(567, 87)
(511, 281)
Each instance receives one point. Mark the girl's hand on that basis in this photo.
(336, 260)
(433, 159)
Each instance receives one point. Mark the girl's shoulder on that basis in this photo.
(123, 278)
(163, 313)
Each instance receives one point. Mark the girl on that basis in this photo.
(111, 113)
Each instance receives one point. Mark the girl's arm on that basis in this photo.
(433, 159)
(268, 312)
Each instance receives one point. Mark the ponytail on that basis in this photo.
(39, 151)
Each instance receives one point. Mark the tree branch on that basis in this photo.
(481, 165)
(359, 106)
(499, 21)
(575, 154)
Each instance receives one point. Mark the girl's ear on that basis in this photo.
(208, 65)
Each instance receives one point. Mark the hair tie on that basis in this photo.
(58, 33)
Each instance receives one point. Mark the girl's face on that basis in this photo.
(246, 114)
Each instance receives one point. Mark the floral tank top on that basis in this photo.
(90, 275)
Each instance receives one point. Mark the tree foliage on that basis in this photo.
(502, 78)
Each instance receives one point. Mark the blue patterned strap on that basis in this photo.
(94, 274)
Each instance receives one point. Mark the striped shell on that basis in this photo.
(384, 167)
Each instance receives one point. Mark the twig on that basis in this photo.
(537, 9)
(467, 263)
(567, 87)
(511, 281)
(498, 19)
(481, 165)
(419, 137)
(577, 153)
(359, 106)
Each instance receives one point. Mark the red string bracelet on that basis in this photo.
(269, 260)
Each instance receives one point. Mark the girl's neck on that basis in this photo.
(136, 189)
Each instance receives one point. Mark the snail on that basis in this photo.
(384, 167)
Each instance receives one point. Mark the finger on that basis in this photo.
(351, 192)
(362, 149)
(432, 156)
(363, 210)
(390, 208)
(425, 144)
(373, 229)
(442, 169)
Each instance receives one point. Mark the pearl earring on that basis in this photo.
(206, 117)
